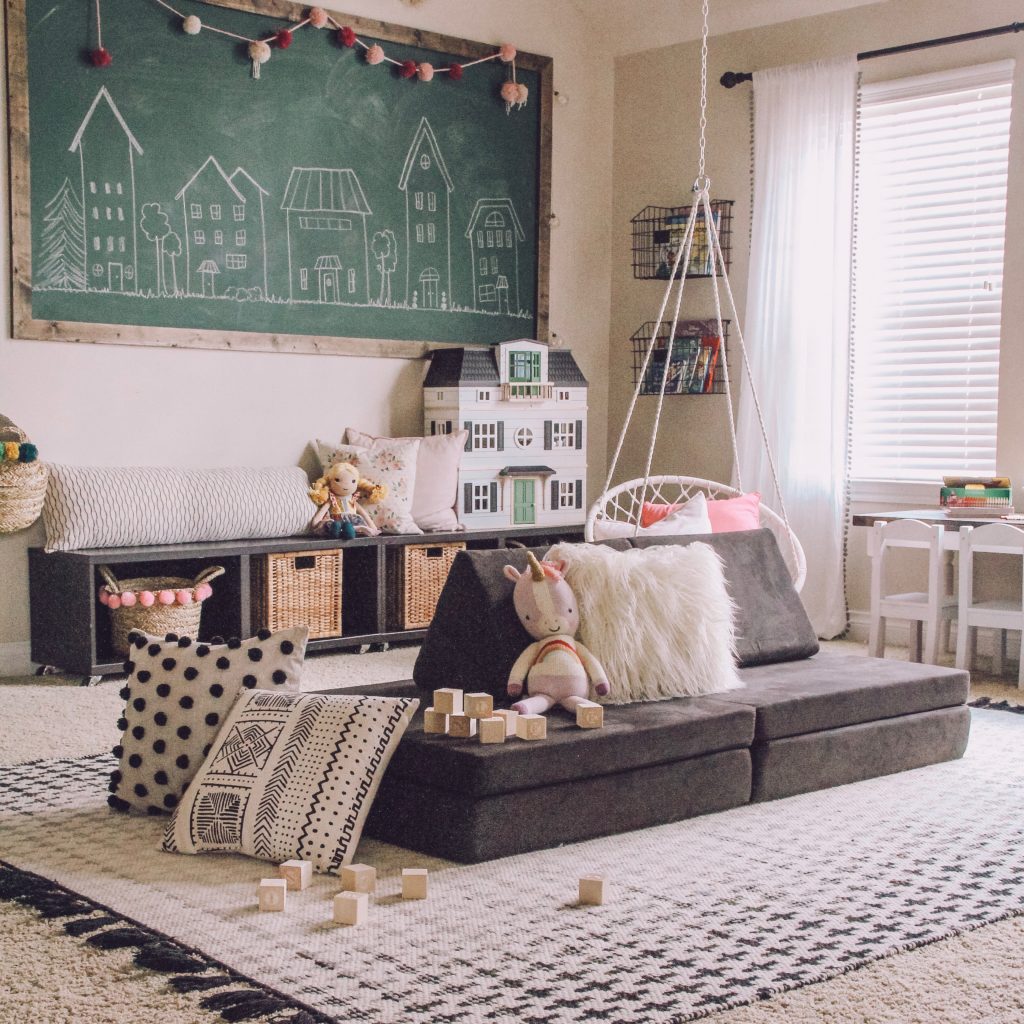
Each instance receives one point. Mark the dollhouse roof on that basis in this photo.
(456, 367)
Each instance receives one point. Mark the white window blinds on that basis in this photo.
(928, 273)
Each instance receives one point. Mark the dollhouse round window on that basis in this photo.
(523, 437)
(425, 162)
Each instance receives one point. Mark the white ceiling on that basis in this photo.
(632, 25)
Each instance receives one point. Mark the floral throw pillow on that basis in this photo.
(392, 464)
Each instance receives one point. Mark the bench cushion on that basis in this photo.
(832, 690)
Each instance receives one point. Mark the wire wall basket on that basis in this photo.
(696, 366)
(658, 233)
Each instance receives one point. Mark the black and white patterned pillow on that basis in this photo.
(291, 776)
(177, 698)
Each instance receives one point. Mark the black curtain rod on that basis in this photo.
(733, 78)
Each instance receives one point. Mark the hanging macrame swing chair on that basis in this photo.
(625, 502)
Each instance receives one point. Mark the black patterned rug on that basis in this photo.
(703, 915)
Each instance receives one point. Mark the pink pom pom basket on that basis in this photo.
(181, 616)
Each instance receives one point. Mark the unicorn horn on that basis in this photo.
(536, 569)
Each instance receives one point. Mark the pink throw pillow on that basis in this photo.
(730, 514)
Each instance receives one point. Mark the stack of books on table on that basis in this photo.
(976, 496)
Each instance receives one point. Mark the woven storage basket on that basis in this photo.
(22, 485)
(298, 588)
(158, 619)
(421, 570)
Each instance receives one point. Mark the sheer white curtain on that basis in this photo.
(797, 320)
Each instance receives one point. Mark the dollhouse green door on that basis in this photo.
(524, 509)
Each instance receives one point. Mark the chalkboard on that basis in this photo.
(330, 205)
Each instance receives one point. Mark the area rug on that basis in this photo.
(702, 915)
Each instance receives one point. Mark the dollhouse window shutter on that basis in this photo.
(469, 436)
(467, 497)
(554, 494)
(501, 435)
(547, 435)
(579, 436)
(579, 492)
(493, 506)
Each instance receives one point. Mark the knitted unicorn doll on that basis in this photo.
(557, 668)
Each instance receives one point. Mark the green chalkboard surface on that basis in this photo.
(173, 198)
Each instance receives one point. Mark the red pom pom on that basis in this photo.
(408, 69)
(455, 72)
(347, 36)
(283, 39)
(101, 58)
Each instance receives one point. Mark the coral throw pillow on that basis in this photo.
(689, 517)
(728, 515)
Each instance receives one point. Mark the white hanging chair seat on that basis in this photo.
(624, 503)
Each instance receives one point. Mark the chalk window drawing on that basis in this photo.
(92, 187)
(108, 213)
(218, 238)
(199, 237)
(483, 396)
(523, 437)
(235, 261)
(419, 232)
(239, 238)
(325, 224)
(97, 268)
(215, 211)
(494, 264)
(197, 211)
(351, 280)
(120, 244)
(431, 234)
(566, 493)
(563, 435)
(303, 278)
(490, 239)
(419, 200)
(96, 242)
(120, 213)
(482, 498)
(483, 264)
(239, 211)
(485, 436)
(499, 239)
(425, 162)
(480, 239)
(120, 190)
(106, 187)
(110, 243)
(432, 202)
(486, 293)
(508, 239)
(95, 213)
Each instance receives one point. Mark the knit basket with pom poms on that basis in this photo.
(22, 479)
(156, 605)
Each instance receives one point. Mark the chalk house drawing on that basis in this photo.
(427, 186)
(225, 234)
(495, 235)
(328, 254)
(106, 152)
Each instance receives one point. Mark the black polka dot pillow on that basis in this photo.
(291, 776)
(176, 699)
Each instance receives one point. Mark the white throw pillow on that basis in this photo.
(691, 517)
(659, 619)
(392, 464)
(291, 776)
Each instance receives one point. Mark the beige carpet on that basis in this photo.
(50, 977)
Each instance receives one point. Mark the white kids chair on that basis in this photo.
(926, 611)
(999, 614)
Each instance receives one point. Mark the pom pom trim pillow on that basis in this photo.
(660, 618)
(291, 776)
(689, 517)
(178, 696)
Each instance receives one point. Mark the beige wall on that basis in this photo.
(655, 153)
(108, 404)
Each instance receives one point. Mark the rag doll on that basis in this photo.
(339, 514)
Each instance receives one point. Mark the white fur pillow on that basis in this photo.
(659, 619)
(690, 517)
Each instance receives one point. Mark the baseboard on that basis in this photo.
(15, 659)
(897, 634)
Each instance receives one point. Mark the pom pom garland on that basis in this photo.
(408, 69)
(128, 599)
(317, 17)
(165, 597)
(510, 93)
(347, 37)
(455, 72)
(29, 452)
(114, 601)
(424, 71)
(284, 38)
(12, 451)
(203, 591)
(147, 598)
(183, 596)
(523, 94)
(104, 595)
(375, 54)
(507, 53)
(101, 58)
(192, 26)
(259, 53)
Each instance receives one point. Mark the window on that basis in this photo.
(563, 435)
(120, 244)
(524, 366)
(239, 238)
(96, 243)
(235, 261)
(563, 396)
(425, 162)
(566, 493)
(483, 396)
(196, 210)
(494, 220)
(351, 280)
(485, 293)
(419, 232)
(325, 223)
(432, 201)
(508, 239)
(523, 437)
(120, 190)
(92, 187)
(928, 266)
(218, 238)
(95, 213)
(485, 436)
(440, 396)
(110, 243)
(109, 214)
(215, 211)
(97, 268)
(498, 236)
(479, 239)
(419, 200)
(431, 235)
(490, 239)
(494, 264)
(239, 211)
(303, 278)
(483, 264)
(106, 187)
(120, 213)
(482, 498)
(199, 237)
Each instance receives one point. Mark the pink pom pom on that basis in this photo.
(103, 595)
(127, 599)
(317, 17)
(183, 597)
(114, 601)
(424, 71)
(375, 54)
(147, 598)
(522, 94)
(510, 92)
(507, 53)
(165, 597)
(203, 591)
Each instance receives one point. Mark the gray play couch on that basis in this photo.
(805, 720)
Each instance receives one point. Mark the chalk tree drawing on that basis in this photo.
(156, 227)
(427, 186)
(385, 251)
(106, 152)
(495, 235)
(172, 249)
(62, 257)
(328, 253)
(225, 233)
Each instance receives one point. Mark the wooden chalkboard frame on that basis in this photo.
(25, 326)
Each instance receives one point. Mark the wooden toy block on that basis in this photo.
(531, 727)
(414, 883)
(461, 726)
(271, 893)
(592, 890)
(478, 705)
(359, 878)
(435, 721)
(297, 873)
(590, 715)
(509, 716)
(448, 701)
(492, 730)
(351, 907)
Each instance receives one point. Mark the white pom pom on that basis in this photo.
(259, 51)
(192, 25)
